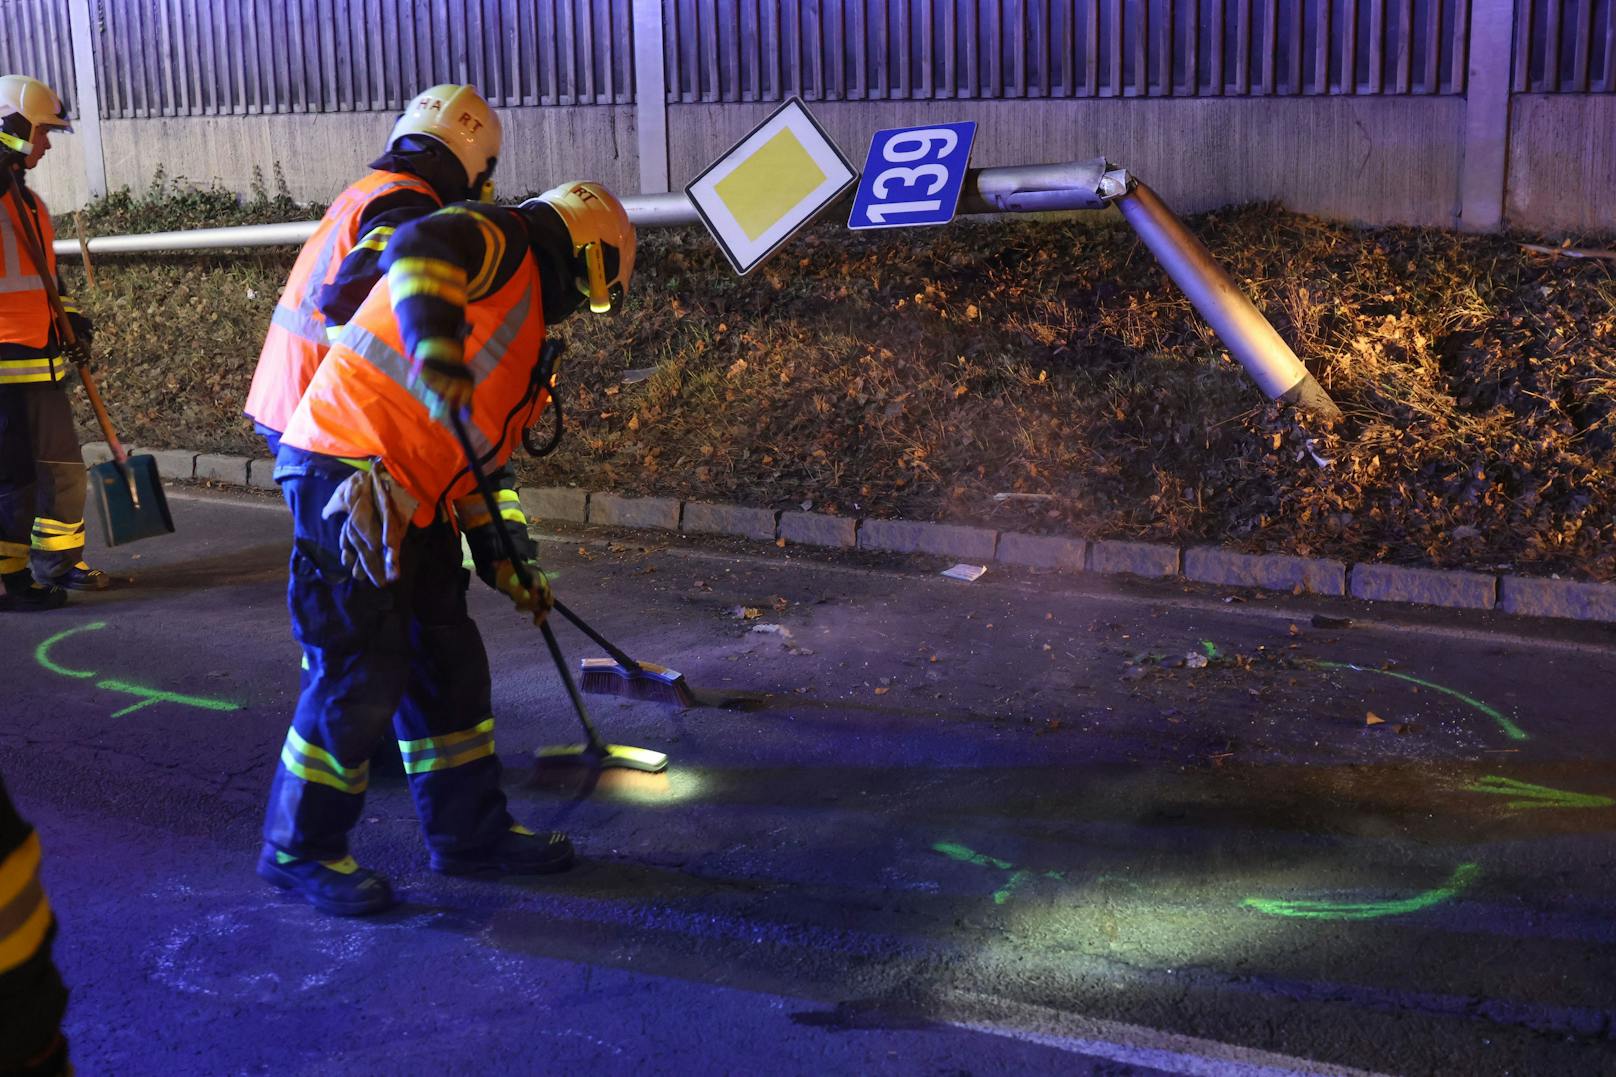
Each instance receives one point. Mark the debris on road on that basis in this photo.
(1371, 718)
(968, 573)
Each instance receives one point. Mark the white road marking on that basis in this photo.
(1135, 1045)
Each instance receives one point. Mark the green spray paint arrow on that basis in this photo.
(955, 851)
(1462, 877)
(1537, 796)
(148, 696)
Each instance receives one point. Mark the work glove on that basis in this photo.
(378, 511)
(448, 387)
(535, 599)
(79, 354)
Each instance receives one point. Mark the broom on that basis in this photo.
(594, 750)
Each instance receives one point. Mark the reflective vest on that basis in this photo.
(360, 403)
(25, 314)
(297, 340)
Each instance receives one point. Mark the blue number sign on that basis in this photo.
(912, 176)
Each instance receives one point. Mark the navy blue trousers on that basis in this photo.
(405, 655)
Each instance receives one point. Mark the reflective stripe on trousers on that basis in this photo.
(25, 915)
(407, 655)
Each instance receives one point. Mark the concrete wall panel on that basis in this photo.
(1385, 160)
(1562, 163)
(320, 153)
(59, 179)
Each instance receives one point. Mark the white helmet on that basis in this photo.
(458, 117)
(27, 105)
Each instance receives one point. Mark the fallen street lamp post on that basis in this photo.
(1075, 185)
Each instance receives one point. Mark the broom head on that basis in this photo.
(652, 683)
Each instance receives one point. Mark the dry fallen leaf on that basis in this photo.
(1373, 719)
(882, 691)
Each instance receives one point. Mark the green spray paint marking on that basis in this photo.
(1001, 895)
(42, 652)
(148, 695)
(155, 695)
(1511, 730)
(1462, 877)
(959, 852)
(1537, 796)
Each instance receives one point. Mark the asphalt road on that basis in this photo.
(1011, 826)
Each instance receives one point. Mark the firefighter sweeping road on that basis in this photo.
(1030, 824)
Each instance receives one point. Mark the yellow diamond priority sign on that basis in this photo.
(770, 184)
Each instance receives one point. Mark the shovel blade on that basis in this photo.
(122, 520)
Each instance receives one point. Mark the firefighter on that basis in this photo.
(377, 594)
(42, 485)
(442, 149)
(32, 997)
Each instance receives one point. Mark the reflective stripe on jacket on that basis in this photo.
(360, 403)
(25, 314)
(297, 340)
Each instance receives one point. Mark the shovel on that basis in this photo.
(127, 491)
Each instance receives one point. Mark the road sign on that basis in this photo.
(913, 176)
(770, 184)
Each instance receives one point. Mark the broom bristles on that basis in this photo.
(653, 684)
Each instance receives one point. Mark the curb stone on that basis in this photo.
(1135, 558)
(221, 468)
(556, 503)
(1271, 571)
(948, 540)
(261, 473)
(1449, 588)
(708, 518)
(1428, 586)
(817, 529)
(1042, 551)
(1572, 599)
(174, 463)
(96, 452)
(614, 510)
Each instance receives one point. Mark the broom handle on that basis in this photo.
(596, 745)
(64, 326)
(508, 547)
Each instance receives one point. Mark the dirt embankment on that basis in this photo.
(919, 373)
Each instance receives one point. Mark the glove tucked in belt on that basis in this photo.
(378, 511)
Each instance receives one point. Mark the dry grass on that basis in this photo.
(920, 373)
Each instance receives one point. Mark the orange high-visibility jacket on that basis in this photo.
(360, 403)
(25, 313)
(297, 341)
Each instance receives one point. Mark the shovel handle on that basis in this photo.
(104, 419)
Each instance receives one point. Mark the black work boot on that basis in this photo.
(81, 577)
(518, 851)
(24, 594)
(340, 887)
